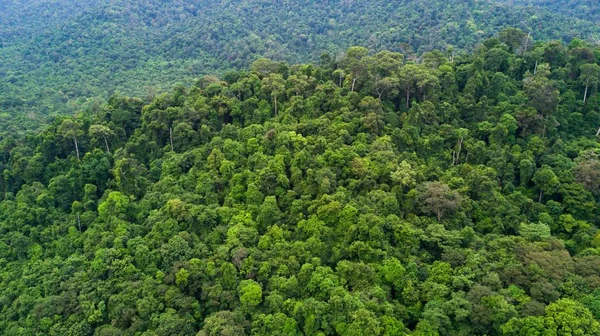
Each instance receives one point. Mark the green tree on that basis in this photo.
(275, 86)
(542, 92)
(356, 64)
(546, 181)
(250, 293)
(590, 77)
(71, 129)
(102, 131)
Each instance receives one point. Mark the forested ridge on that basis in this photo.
(371, 194)
(58, 57)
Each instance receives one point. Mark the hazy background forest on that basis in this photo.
(56, 56)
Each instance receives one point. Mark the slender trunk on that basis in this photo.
(585, 94)
(540, 198)
(76, 147)
(106, 143)
(275, 97)
(439, 216)
(526, 44)
(457, 152)
(598, 133)
(545, 122)
(535, 69)
(171, 138)
(78, 222)
(353, 82)
(340, 80)
(407, 96)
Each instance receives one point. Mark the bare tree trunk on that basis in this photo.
(535, 69)
(545, 123)
(106, 143)
(340, 80)
(171, 138)
(598, 133)
(407, 97)
(275, 105)
(540, 198)
(585, 94)
(456, 154)
(353, 82)
(526, 44)
(78, 222)
(76, 147)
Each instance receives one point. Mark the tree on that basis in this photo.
(546, 181)
(102, 131)
(407, 78)
(355, 62)
(386, 85)
(275, 324)
(364, 322)
(542, 92)
(514, 38)
(130, 176)
(71, 129)
(587, 172)
(224, 323)
(590, 77)
(264, 67)
(427, 82)
(563, 317)
(387, 63)
(275, 86)
(438, 198)
(535, 231)
(250, 293)
(461, 133)
(269, 213)
(405, 175)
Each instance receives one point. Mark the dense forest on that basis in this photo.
(378, 193)
(59, 57)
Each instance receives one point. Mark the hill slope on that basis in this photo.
(365, 196)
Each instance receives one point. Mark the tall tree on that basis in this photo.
(274, 85)
(542, 92)
(71, 129)
(102, 131)
(590, 77)
(408, 77)
(438, 198)
(356, 64)
(546, 181)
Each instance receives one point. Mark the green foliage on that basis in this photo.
(389, 195)
(250, 293)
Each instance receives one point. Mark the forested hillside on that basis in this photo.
(57, 56)
(377, 194)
